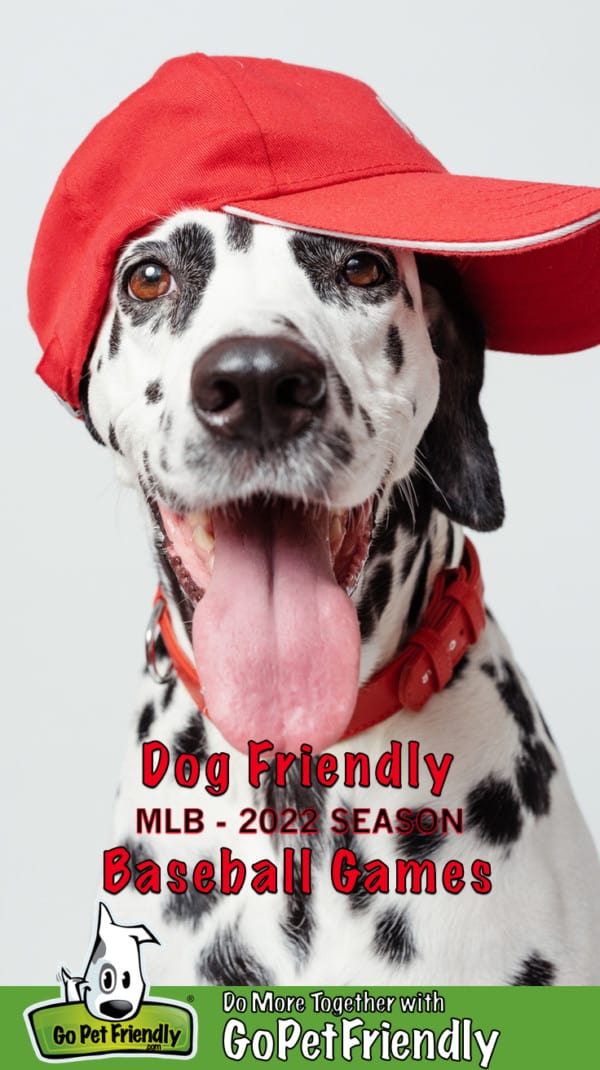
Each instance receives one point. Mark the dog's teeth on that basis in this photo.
(336, 530)
(199, 517)
(203, 540)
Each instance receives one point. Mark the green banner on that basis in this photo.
(68, 1031)
(510, 1028)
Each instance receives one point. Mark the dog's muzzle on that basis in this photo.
(258, 390)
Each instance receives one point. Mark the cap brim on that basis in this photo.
(529, 252)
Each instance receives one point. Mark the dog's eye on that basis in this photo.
(364, 269)
(108, 977)
(149, 281)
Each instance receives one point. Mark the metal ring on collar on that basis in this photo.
(152, 634)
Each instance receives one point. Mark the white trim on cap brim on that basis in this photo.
(437, 246)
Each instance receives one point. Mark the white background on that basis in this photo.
(509, 90)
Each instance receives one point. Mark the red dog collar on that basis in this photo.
(453, 621)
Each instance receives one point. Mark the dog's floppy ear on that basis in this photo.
(455, 447)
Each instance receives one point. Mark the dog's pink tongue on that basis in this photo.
(276, 640)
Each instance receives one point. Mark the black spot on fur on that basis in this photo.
(190, 906)
(418, 595)
(419, 845)
(366, 419)
(459, 670)
(194, 453)
(409, 559)
(168, 692)
(298, 925)
(489, 669)
(358, 898)
(322, 259)
(293, 794)
(384, 539)
(154, 392)
(535, 970)
(160, 649)
(449, 551)
(238, 234)
(193, 255)
(515, 699)
(413, 508)
(138, 851)
(341, 446)
(227, 961)
(344, 393)
(398, 514)
(534, 772)
(408, 298)
(493, 809)
(148, 481)
(116, 331)
(375, 598)
(394, 348)
(146, 718)
(112, 438)
(380, 586)
(393, 938)
(191, 739)
(366, 618)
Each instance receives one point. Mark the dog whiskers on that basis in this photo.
(424, 470)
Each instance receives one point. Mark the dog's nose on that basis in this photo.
(258, 389)
(116, 1008)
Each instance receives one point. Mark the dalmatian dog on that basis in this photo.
(113, 985)
(299, 413)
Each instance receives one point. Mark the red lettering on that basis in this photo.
(266, 877)
(193, 820)
(203, 876)
(415, 870)
(326, 770)
(233, 873)
(148, 879)
(187, 770)
(117, 873)
(345, 873)
(155, 762)
(217, 773)
(177, 871)
(360, 815)
(452, 877)
(377, 876)
(481, 872)
(257, 765)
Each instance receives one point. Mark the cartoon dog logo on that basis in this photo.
(113, 985)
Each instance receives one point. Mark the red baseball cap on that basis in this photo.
(311, 150)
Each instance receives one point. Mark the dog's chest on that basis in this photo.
(326, 880)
